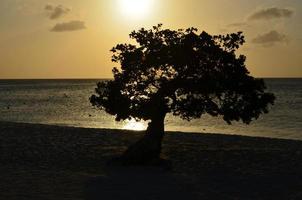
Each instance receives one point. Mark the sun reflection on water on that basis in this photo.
(134, 125)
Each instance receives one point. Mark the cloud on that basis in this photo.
(270, 38)
(49, 7)
(271, 13)
(238, 24)
(69, 26)
(56, 12)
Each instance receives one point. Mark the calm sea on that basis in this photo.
(66, 102)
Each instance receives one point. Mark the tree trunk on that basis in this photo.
(147, 150)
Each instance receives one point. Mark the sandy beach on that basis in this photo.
(53, 162)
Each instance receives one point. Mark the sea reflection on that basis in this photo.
(134, 125)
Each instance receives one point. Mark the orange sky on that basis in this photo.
(72, 39)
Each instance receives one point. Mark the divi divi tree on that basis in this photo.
(182, 72)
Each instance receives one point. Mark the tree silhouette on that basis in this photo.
(183, 73)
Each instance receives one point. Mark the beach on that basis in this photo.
(59, 162)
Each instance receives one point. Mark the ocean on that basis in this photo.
(66, 102)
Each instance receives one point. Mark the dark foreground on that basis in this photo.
(49, 162)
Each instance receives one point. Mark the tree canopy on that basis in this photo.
(182, 72)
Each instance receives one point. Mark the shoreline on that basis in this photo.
(142, 131)
(56, 162)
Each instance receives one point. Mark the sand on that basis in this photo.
(53, 162)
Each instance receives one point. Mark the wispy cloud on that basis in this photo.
(55, 12)
(271, 13)
(270, 38)
(238, 24)
(69, 26)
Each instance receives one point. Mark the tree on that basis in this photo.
(183, 73)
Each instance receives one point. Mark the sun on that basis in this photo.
(135, 8)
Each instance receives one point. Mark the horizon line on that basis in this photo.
(276, 77)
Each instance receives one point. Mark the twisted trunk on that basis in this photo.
(147, 150)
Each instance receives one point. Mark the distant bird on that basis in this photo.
(90, 115)
(8, 107)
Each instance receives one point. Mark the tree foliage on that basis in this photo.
(182, 72)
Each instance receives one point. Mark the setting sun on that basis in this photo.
(135, 8)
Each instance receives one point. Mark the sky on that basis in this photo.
(72, 38)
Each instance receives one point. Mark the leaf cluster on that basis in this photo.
(182, 72)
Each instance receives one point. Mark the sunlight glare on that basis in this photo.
(135, 8)
(134, 125)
